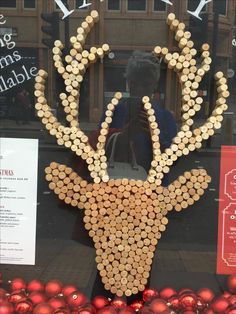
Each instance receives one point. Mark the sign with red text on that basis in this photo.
(18, 200)
(226, 253)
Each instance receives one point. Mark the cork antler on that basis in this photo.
(72, 70)
(190, 76)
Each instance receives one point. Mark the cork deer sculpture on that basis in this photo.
(125, 218)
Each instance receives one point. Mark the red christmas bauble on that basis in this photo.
(173, 302)
(53, 287)
(76, 299)
(149, 294)
(232, 300)
(109, 309)
(206, 294)
(86, 309)
(231, 283)
(146, 310)
(100, 301)
(3, 292)
(188, 301)
(17, 284)
(43, 308)
(231, 310)
(35, 285)
(129, 310)
(24, 307)
(185, 290)
(159, 306)
(167, 292)
(208, 311)
(136, 305)
(226, 294)
(6, 308)
(62, 311)
(188, 312)
(201, 304)
(68, 289)
(219, 305)
(37, 297)
(57, 302)
(118, 303)
(16, 296)
(3, 299)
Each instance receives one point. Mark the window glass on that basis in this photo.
(136, 5)
(8, 3)
(159, 5)
(193, 4)
(82, 4)
(220, 6)
(29, 4)
(113, 4)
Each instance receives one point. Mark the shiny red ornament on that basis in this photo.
(159, 306)
(62, 311)
(37, 297)
(53, 288)
(118, 303)
(86, 309)
(231, 310)
(57, 302)
(231, 283)
(100, 301)
(167, 292)
(35, 285)
(24, 307)
(208, 311)
(76, 299)
(16, 296)
(189, 312)
(149, 294)
(6, 308)
(188, 301)
(17, 284)
(206, 294)
(136, 305)
(43, 308)
(3, 299)
(232, 300)
(226, 294)
(109, 309)
(3, 292)
(185, 290)
(201, 304)
(129, 310)
(146, 310)
(68, 289)
(173, 302)
(220, 304)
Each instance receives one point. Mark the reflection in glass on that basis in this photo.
(136, 5)
(113, 5)
(7, 3)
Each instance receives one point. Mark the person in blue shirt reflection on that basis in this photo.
(142, 74)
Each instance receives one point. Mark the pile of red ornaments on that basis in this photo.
(54, 298)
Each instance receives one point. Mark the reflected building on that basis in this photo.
(126, 25)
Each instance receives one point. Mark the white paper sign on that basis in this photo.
(18, 200)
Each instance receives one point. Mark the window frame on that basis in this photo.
(226, 9)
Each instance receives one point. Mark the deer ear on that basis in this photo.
(66, 183)
(188, 188)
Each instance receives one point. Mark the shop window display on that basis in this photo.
(133, 114)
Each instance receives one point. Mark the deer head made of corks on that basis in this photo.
(125, 218)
